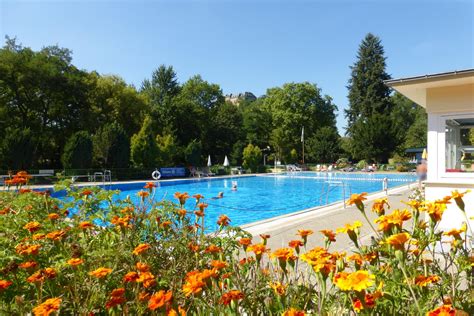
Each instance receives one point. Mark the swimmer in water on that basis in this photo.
(234, 186)
(220, 195)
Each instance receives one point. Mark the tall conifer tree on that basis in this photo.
(368, 115)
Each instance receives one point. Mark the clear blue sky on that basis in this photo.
(249, 45)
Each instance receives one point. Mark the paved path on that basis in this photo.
(284, 230)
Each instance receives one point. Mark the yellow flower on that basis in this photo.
(100, 272)
(358, 199)
(379, 206)
(457, 196)
(435, 210)
(293, 312)
(357, 281)
(456, 233)
(141, 248)
(423, 281)
(398, 240)
(47, 307)
(443, 310)
(284, 254)
(349, 228)
(279, 288)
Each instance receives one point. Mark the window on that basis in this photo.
(460, 145)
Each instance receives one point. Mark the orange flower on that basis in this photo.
(86, 192)
(457, 196)
(144, 296)
(100, 272)
(213, 249)
(143, 194)
(142, 267)
(28, 265)
(245, 242)
(5, 284)
(217, 264)
(198, 197)
(131, 277)
(202, 206)
(379, 206)
(304, 232)
(27, 250)
(147, 278)
(293, 312)
(443, 310)
(320, 260)
(141, 248)
(423, 281)
(56, 235)
(115, 301)
(264, 236)
(357, 258)
(32, 226)
(199, 213)
(121, 221)
(435, 210)
(348, 228)
(257, 249)
(357, 281)
(278, 288)
(165, 224)
(41, 275)
(295, 244)
(358, 199)
(53, 216)
(284, 254)
(329, 234)
(149, 185)
(118, 292)
(456, 233)
(194, 283)
(75, 262)
(182, 197)
(86, 225)
(223, 220)
(230, 296)
(47, 307)
(398, 240)
(159, 299)
(193, 247)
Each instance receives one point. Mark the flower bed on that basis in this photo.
(155, 258)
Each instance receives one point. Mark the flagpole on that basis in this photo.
(302, 140)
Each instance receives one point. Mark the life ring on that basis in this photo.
(156, 175)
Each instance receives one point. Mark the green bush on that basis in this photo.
(252, 156)
(111, 146)
(361, 164)
(16, 149)
(144, 150)
(193, 153)
(342, 163)
(78, 151)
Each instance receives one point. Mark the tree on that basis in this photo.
(78, 151)
(167, 149)
(368, 115)
(143, 149)
(16, 149)
(257, 123)
(417, 133)
(324, 145)
(252, 156)
(111, 146)
(193, 153)
(293, 106)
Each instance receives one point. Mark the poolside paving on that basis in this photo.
(332, 219)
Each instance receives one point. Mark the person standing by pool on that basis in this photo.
(421, 172)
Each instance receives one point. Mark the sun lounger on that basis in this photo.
(206, 172)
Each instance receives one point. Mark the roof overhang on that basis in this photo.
(415, 88)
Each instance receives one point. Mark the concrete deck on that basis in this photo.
(284, 228)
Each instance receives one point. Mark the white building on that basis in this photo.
(449, 101)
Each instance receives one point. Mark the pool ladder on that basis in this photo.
(326, 189)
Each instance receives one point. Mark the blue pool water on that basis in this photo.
(266, 196)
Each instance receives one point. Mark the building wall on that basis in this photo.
(444, 103)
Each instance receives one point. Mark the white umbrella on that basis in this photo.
(209, 161)
(226, 162)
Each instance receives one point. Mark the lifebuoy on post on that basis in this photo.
(156, 175)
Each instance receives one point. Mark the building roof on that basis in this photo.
(415, 87)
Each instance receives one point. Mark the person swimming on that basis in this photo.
(220, 195)
(234, 186)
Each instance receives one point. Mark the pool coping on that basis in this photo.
(281, 221)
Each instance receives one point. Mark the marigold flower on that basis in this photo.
(121, 221)
(329, 234)
(47, 307)
(217, 264)
(53, 216)
(213, 249)
(223, 220)
(304, 232)
(101, 272)
(118, 292)
(230, 296)
(293, 312)
(456, 233)
(284, 254)
(182, 197)
(245, 242)
(358, 199)
(198, 197)
(32, 226)
(115, 301)
(41, 275)
(149, 185)
(295, 244)
(193, 247)
(5, 284)
(457, 196)
(356, 258)
(264, 236)
(320, 260)
(398, 240)
(86, 225)
(27, 250)
(144, 296)
(86, 192)
(434, 210)
(143, 194)
(257, 249)
(279, 288)
(75, 262)
(159, 299)
(131, 276)
(147, 278)
(141, 248)
(443, 310)
(199, 213)
(357, 281)
(194, 284)
(202, 206)
(379, 206)
(349, 228)
(142, 267)
(56, 235)
(423, 281)
(28, 265)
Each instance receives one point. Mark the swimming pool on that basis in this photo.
(265, 196)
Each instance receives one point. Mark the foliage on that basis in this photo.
(78, 151)
(362, 164)
(324, 145)
(144, 150)
(252, 156)
(342, 163)
(193, 153)
(157, 257)
(369, 126)
(111, 146)
(167, 149)
(15, 148)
